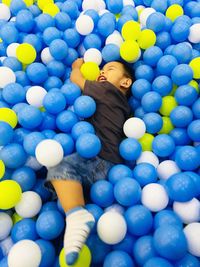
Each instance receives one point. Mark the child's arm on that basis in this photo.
(76, 75)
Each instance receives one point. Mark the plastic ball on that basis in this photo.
(167, 168)
(148, 157)
(134, 128)
(24, 21)
(24, 229)
(163, 145)
(127, 192)
(186, 95)
(6, 76)
(194, 64)
(37, 73)
(101, 193)
(162, 85)
(46, 56)
(84, 24)
(51, 9)
(181, 116)
(26, 53)
(144, 72)
(174, 11)
(54, 102)
(81, 127)
(170, 242)
(152, 22)
(108, 225)
(25, 177)
(194, 130)
(153, 122)
(146, 39)
(6, 133)
(111, 52)
(118, 258)
(49, 153)
(130, 149)
(71, 92)
(118, 171)
(188, 260)
(5, 12)
(49, 224)
(88, 145)
(167, 217)
(182, 74)
(93, 55)
(84, 258)
(152, 55)
(187, 158)
(146, 142)
(58, 49)
(187, 211)
(9, 33)
(66, 142)
(11, 49)
(114, 38)
(194, 33)
(182, 52)
(90, 71)
(157, 261)
(6, 225)
(29, 117)
(140, 87)
(191, 232)
(66, 120)
(145, 13)
(151, 101)
(10, 194)
(35, 96)
(167, 126)
(2, 169)
(13, 93)
(168, 105)
(131, 30)
(130, 51)
(166, 64)
(48, 252)
(84, 106)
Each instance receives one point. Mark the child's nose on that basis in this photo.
(102, 72)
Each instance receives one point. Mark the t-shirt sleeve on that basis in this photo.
(91, 89)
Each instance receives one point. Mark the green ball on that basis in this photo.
(168, 104)
(146, 142)
(167, 126)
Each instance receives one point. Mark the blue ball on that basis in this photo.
(56, 68)
(25, 177)
(151, 101)
(193, 130)
(178, 2)
(25, 21)
(133, 103)
(182, 52)
(130, 10)
(12, 63)
(180, 31)
(187, 158)
(71, 37)
(140, 87)
(71, 92)
(93, 14)
(111, 52)
(196, 179)
(152, 55)
(52, 82)
(19, 135)
(170, 242)
(166, 217)
(9, 34)
(13, 155)
(71, 56)
(139, 112)
(31, 141)
(144, 72)
(66, 120)
(186, 95)
(117, 172)
(29, 117)
(34, 10)
(180, 136)
(187, 260)
(48, 122)
(44, 21)
(143, 250)
(22, 78)
(130, 149)
(50, 34)
(71, 8)
(163, 145)
(106, 24)
(153, 122)
(158, 262)
(122, 20)
(34, 40)
(152, 22)
(48, 252)
(84, 106)
(82, 127)
(182, 74)
(14, 93)
(166, 64)
(92, 40)
(96, 211)
(114, 6)
(162, 85)
(42, 191)
(88, 145)
(127, 192)
(118, 258)
(50, 205)
(37, 73)
(126, 244)
(6, 133)
(181, 187)
(49, 134)
(66, 142)
(145, 173)
(16, 6)
(139, 220)
(62, 21)
(181, 116)
(101, 193)
(24, 229)
(54, 102)
(163, 39)
(50, 224)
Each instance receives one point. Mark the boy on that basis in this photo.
(110, 93)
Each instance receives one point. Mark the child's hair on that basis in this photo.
(128, 71)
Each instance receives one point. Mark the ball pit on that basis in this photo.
(147, 209)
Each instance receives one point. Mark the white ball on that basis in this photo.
(46, 56)
(6, 245)
(93, 55)
(25, 253)
(188, 211)
(154, 197)
(103, 11)
(114, 38)
(128, 3)
(4, 12)
(88, 4)
(5, 225)
(192, 233)
(84, 25)
(134, 128)
(49, 153)
(194, 35)
(167, 168)
(148, 157)
(6, 76)
(111, 227)
(11, 50)
(2, 59)
(29, 205)
(145, 14)
(35, 96)
(100, 4)
(115, 208)
(33, 163)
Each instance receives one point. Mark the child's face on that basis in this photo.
(113, 72)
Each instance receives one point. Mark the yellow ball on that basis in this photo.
(146, 39)
(90, 71)
(195, 65)
(146, 142)
(28, 2)
(42, 3)
(173, 91)
(167, 126)
(2, 169)
(130, 51)
(194, 84)
(83, 260)
(168, 104)
(6, 2)
(174, 11)
(10, 194)
(51, 9)
(16, 218)
(26, 53)
(131, 30)
(1, 40)
(9, 116)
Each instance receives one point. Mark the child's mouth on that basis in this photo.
(101, 78)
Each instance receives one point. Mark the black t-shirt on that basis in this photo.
(112, 110)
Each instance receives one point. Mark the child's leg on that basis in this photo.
(79, 221)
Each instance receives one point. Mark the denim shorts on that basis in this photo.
(74, 167)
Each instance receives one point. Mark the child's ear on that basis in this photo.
(126, 82)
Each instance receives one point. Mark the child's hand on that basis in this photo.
(77, 63)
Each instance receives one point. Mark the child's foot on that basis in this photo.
(79, 223)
